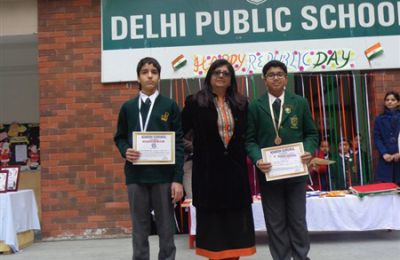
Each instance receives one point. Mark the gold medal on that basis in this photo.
(278, 140)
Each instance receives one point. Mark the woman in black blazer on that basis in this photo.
(221, 192)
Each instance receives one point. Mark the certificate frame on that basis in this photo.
(3, 181)
(170, 134)
(12, 177)
(266, 155)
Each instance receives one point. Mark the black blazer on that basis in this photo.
(219, 176)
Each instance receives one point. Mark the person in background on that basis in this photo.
(221, 192)
(347, 167)
(360, 156)
(277, 118)
(386, 137)
(253, 180)
(151, 187)
(319, 173)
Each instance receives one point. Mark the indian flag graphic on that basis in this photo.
(374, 51)
(179, 62)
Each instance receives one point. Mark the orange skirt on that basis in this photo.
(225, 233)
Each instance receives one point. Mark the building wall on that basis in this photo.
(19, 87)
(83, 190)
(19, 90)
(18, 17)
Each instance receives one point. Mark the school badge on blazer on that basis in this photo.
(164, 117)
(294, 122)
(287, 109)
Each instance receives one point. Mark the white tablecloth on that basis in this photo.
(18, 213)
(348, 213)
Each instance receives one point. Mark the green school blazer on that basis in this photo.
(297, 126)
(164, 117)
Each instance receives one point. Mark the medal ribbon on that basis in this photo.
(143, 129)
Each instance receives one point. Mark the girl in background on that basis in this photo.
(386, 135)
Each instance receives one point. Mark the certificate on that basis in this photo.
(3, 180)
(154, 147)
(12, 177)
(285, 161)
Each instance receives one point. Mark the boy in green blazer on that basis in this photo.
(151, 187)
(277, 118)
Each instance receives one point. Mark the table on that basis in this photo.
(348, 213)
(18, 213)
(351, 213)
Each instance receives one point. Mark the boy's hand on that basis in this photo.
(132, 155)
(306, 157)
(263, 166)
(176, 192)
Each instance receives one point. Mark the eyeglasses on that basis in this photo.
(218, 73)
(279, 75)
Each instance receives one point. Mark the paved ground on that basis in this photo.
(371, 245)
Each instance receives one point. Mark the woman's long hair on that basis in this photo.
(205, 97)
